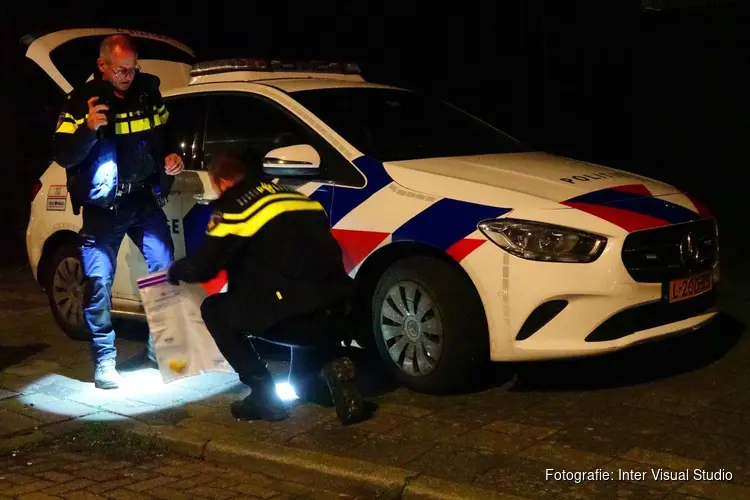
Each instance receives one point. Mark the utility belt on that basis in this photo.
(152, 187)
(131, 187)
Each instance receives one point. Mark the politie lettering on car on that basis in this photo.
(466, 246)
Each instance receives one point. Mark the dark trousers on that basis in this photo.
(138, 217)
(313, 343)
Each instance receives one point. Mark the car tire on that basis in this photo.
(429, 325)
(65, 291)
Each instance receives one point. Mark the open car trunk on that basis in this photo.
(68, 57)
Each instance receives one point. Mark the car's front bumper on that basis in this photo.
(539, 310)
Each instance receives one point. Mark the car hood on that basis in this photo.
(541, 186)
(541, 175)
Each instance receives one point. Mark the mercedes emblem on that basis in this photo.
(690, 253)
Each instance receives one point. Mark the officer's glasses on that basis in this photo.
(123, 72)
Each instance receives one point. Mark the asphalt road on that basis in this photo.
(680, 404)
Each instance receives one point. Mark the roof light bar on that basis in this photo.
(275, 65)
(222, 65)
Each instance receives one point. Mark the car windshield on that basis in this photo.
(393, 124)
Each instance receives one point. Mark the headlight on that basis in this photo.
(544, 242)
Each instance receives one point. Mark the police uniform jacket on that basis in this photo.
(278, 251)
(129, 149)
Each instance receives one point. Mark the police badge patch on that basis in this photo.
(214, 220)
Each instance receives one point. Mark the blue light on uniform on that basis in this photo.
(104, 180)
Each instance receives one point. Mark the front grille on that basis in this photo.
(655, 314)
(661, 254)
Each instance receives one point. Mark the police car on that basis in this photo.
(466, 246)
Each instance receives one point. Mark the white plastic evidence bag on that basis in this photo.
(184, 347)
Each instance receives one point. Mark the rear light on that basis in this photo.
(35, 188)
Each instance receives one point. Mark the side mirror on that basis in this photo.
(301, 160)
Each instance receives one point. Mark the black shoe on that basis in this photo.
(340, 377)
(263, 403)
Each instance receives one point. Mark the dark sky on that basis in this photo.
(660, 93)
(497, 58)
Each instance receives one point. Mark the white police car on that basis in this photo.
(466, 247)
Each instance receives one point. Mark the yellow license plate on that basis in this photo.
(692, 286)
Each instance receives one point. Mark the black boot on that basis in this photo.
(340, 377)
(263, 403)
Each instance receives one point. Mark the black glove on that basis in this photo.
(172, 275)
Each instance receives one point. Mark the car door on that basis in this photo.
(248, 126)
(187, 115)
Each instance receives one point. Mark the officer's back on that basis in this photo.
(286, 256)
(284, 267)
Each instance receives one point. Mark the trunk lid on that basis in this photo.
(68, 57)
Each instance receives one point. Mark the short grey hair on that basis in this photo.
(108, 45)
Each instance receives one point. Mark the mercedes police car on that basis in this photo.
(466, 246)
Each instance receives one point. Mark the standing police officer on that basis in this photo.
(111, 140)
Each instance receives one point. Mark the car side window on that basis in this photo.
(187, 115)
(250, 126)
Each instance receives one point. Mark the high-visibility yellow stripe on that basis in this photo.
(161, 119)
(73, 118)
(66, 128)
(139, 125)
(264, 201)
(164, 116)
(133, 126)
(121, 128)
(264, 215)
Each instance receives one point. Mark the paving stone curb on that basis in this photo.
(318, 470)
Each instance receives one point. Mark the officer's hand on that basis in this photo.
(173, 164)
(96, 118)
(174, 280)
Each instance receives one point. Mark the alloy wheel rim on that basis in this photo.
(67, 291)
(411, 329)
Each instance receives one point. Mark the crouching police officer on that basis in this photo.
(111, 140)
(284, 267)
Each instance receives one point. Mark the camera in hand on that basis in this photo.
(106, 96)
(107, 130)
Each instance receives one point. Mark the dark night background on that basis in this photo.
(655, 87)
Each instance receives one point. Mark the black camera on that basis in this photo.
(106, 96)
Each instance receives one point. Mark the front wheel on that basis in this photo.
(65, 291)
(429, 325)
